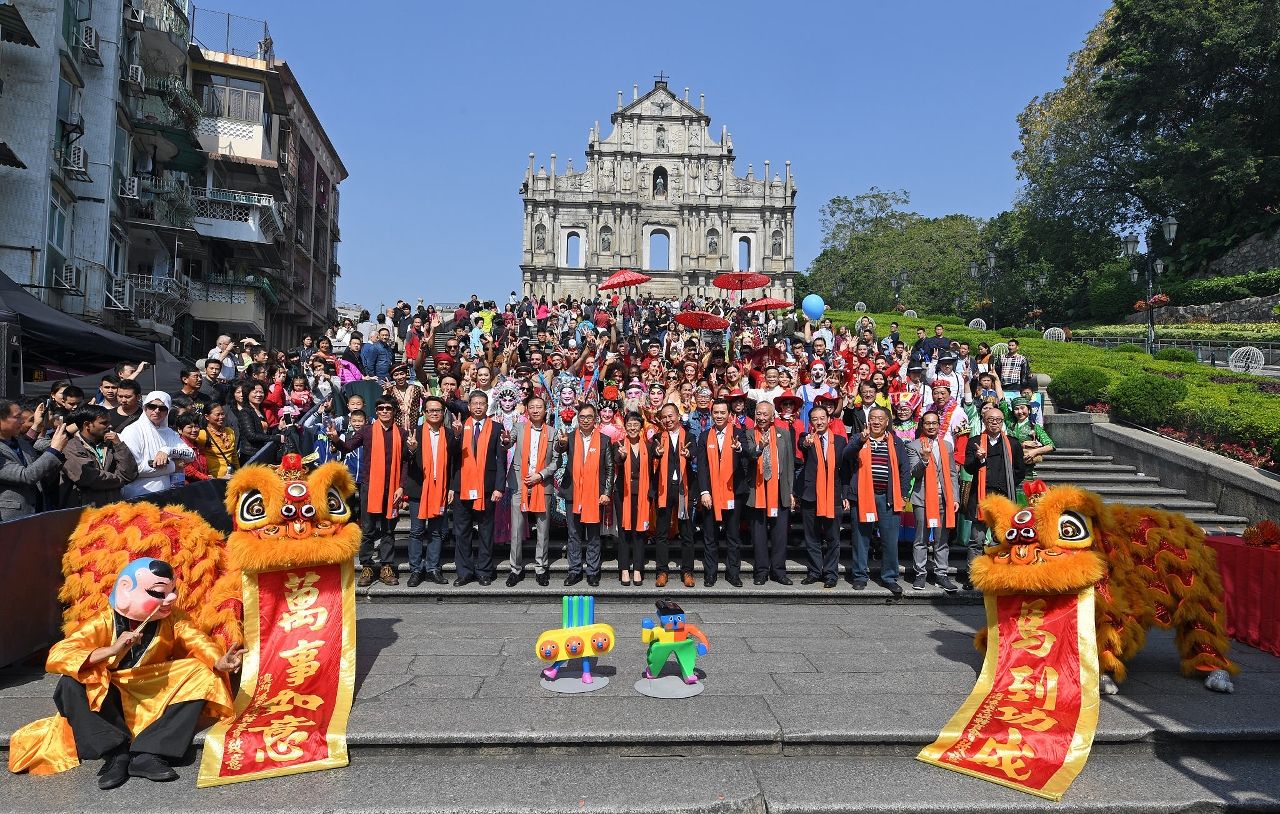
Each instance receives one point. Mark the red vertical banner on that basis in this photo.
(1030, 721)
(299, 678)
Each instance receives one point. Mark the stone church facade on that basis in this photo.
(657, 177)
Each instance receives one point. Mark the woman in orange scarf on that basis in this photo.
(634, 463)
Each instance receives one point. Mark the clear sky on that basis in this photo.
(435, 107)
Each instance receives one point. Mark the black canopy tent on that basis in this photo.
(50, 337)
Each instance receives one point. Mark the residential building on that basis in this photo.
(149, 189)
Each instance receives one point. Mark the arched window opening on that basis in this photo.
(659, 248)
(573, 251)
(744, 254)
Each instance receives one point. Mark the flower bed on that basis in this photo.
(1243, 332)
(1249, 454)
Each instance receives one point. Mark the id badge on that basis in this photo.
(728, 504)
(773, 512)
(644, 526)
(933, 524)
(474, 495)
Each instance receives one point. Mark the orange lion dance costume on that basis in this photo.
(1071, 587)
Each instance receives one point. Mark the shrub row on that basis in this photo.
(1225, 289)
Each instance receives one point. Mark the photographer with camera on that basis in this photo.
(24, 466)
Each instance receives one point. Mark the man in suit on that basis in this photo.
(822, 498)
(723, 454)
(23, 467)
(879, 482)
(586, 488)
(770, 497)
(429, 486)
(867, 393)
(673, 447)
(480, 477)
(935, 501)
(995, 460)
(528, 483)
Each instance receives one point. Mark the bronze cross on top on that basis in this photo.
(661, 77)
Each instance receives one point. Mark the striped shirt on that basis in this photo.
(879, 465)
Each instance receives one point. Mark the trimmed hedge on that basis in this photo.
(1128, 347)
(1146, 399)
(1226, 289)
(1176, 355)
(1077, 387)
(1242, 332)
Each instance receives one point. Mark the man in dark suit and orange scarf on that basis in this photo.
(822, 497)
(673, 447)
(429, 488)
(881, 482)
(480, 478)
(770, 498)
(995, 461)
(384, 462)
(586, 489)
(723, 452)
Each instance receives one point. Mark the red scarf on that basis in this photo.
(384, 480)
(825, 483)
(767, 493)
(866, 487)
(720, 468)
(642, 496)
(435, 475)
(535, 496)
(473, 463)
(932, 512)
(586, 478)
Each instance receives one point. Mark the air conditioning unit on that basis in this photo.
(120, 295)
(70, 279)
(137, 77)
(129, 187)
(89, 41)
(75, 158)
(133, 18)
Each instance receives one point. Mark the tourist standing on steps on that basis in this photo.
(822, 498)
(877, 461)
(430, 489)
(995, 461)
(770, 498)
(529, 483)
(384, 458)
(587, 486)
(935, 501)
(634, 464)
(482, 470)
(723, 483)
(673, 451)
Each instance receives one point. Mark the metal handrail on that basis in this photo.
(1209, 351)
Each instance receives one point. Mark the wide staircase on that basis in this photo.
(1118, 483)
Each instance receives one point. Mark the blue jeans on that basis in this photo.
(887, 522)
(432, 531)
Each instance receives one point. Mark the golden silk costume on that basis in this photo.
(175, 667)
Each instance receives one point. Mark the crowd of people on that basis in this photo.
(604, 417)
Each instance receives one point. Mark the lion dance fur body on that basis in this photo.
(281, 519)
(1148, 568)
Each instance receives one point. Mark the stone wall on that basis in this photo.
(1256, 252)
(1253, 309)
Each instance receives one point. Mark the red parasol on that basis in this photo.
(740, 280)
(766, 304)
(702, 321)
(623, 279)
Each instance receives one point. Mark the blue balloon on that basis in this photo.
(813, 306)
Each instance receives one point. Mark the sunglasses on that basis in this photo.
(159, 407)
(383, 409)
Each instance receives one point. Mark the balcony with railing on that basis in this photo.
(158, 301)
(163, 200)
(238, 298)
(167, 27)
(228, 214)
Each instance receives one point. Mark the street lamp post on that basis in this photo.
(837, 291)
(1155, 268)
(897, 282)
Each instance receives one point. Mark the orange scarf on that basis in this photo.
(642, 496)
(384, 480)
(825, 483)
(535, 496)
(586, 478)
(672, 458)
(933, 515)
(866, 488)
(767, 493)
(982, 473)
(435, 475)
(720, 468)
(473, 463)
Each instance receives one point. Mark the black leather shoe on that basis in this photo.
(151, 767)
(759, 579)
(734, 581)
(460, 581)
(709, 582)
(544, 579)
(415, 579)
(894, 588)
(594, 581)
(437, 576)
(485, 582)
(782, 580)
(859, 584)
(513, 579)
(573, 579)
(809, 580)
(115, 771)
(830, 582)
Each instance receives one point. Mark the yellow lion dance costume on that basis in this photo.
(1148, 567)
(282, 518)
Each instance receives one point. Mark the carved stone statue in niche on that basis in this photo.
(606, 239)
(662, 139)
(628, 133)
(607, 183)
(777, 245)
(540, 238)
(659, 186)
(713, 244)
